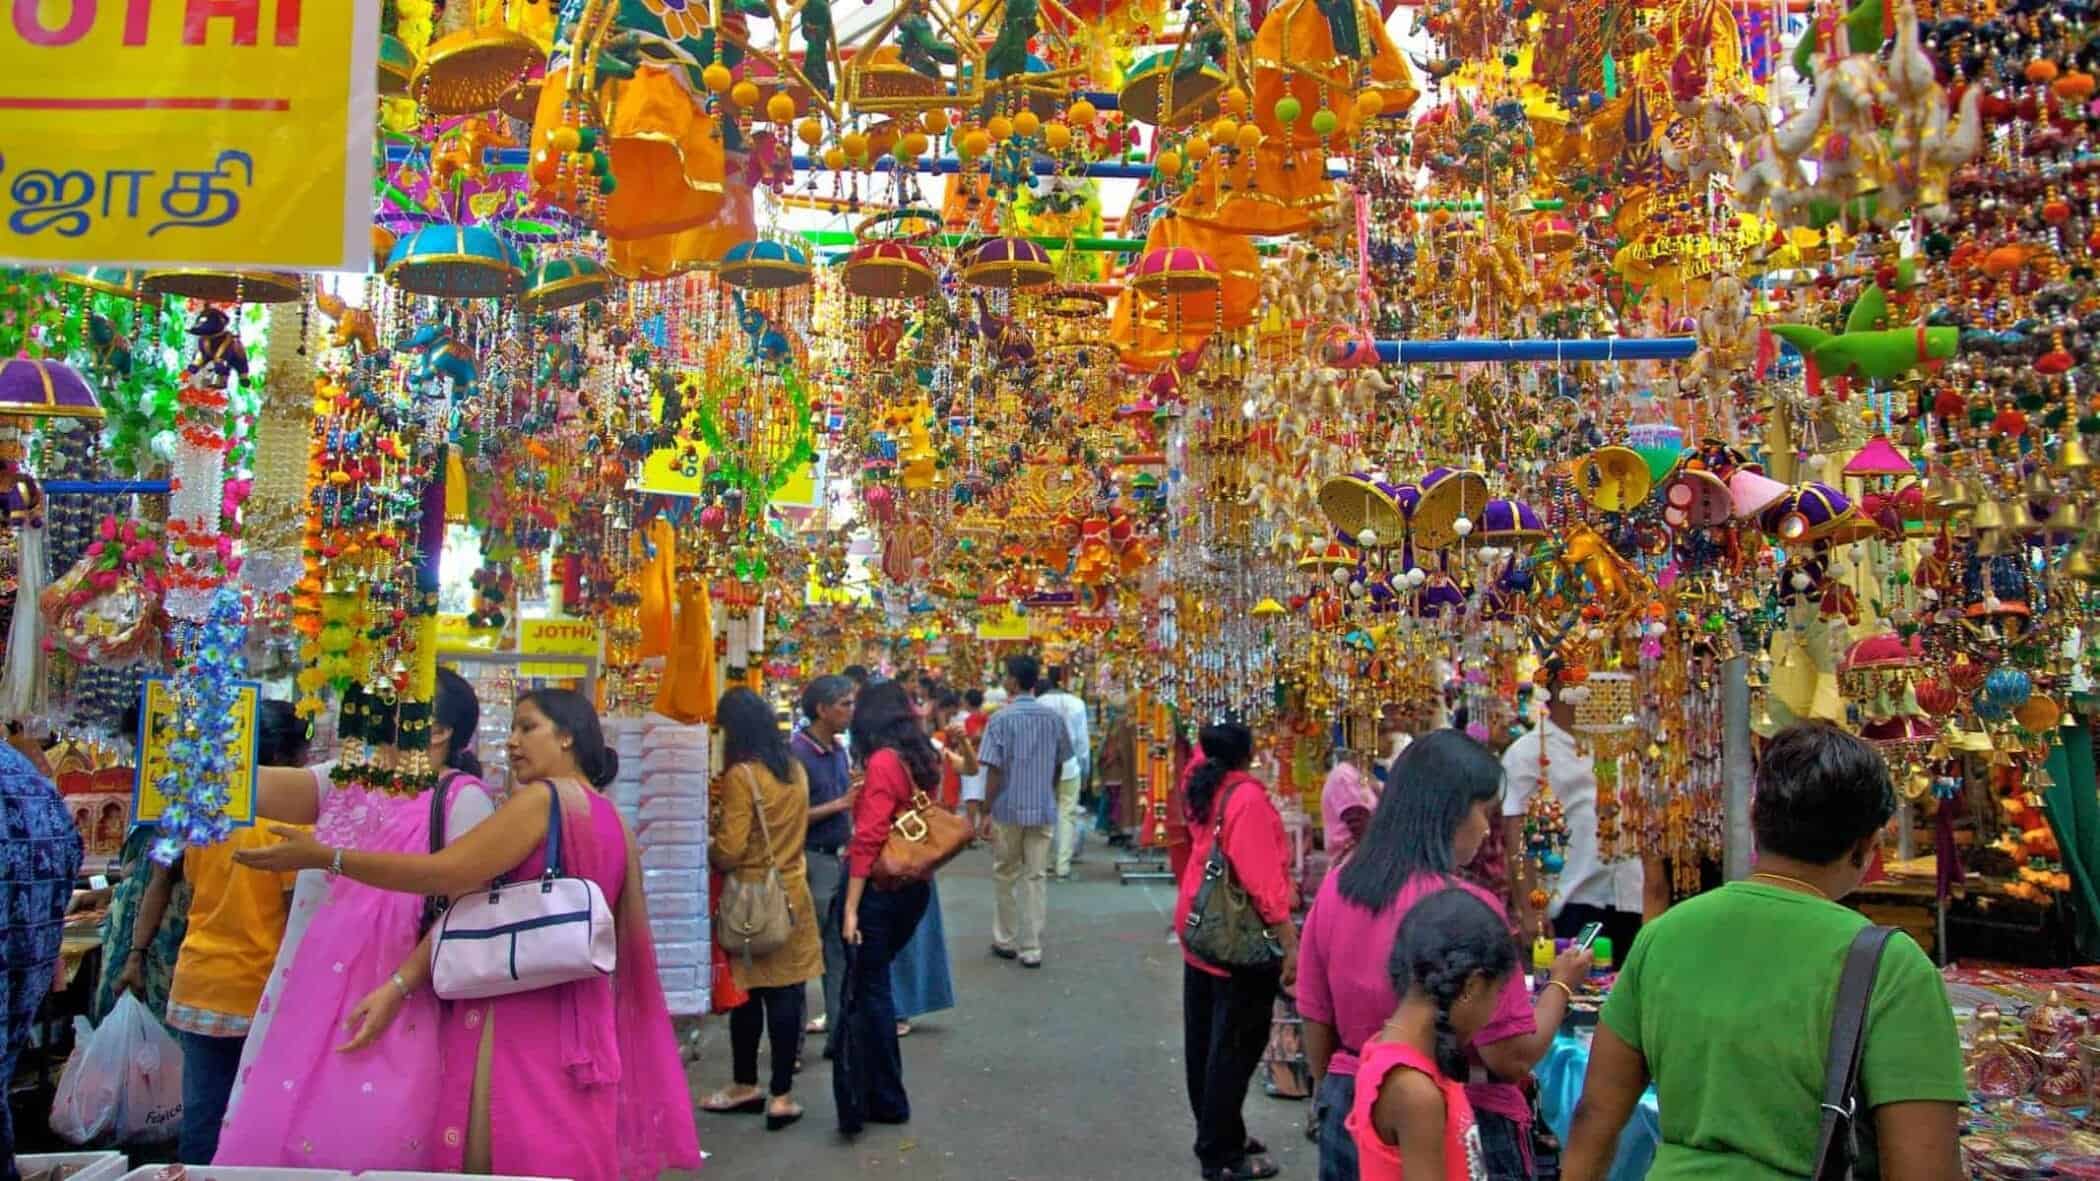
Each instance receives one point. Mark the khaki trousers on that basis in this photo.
(1020, 862)
(1068, 819)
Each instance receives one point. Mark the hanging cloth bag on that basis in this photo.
(1224, 928)
(754, 919)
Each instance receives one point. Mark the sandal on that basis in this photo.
(776, 1120)
(720, 1103)
(815, 1024)
(1253, 1168)
(904, 1029)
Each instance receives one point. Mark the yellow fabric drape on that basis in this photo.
(688, 695)
(455, 487)
(659, 587)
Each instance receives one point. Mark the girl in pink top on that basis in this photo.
(1441, 798)
(1411, 1118)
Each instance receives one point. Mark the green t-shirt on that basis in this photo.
(1729, 995)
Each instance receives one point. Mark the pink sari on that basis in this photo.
(299, 1103)
(585, 1080)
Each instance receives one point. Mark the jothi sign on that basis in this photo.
(205, 133)
(558, 637)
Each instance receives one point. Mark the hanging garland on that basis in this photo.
(206, 690)
(736, 462)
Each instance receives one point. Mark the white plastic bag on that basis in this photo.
(124, 1080)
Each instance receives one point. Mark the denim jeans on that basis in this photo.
(209, 1065)
(1501, 1139)
(876, 1069)
(1337, 1094)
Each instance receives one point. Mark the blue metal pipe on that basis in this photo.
(105, 487)
(397, 154)
(1429, 352)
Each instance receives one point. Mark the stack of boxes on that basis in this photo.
(670, 819)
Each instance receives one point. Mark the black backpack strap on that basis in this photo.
(1848, 1044)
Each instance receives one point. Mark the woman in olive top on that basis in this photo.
(1726, 1001)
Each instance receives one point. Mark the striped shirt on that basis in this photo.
(1028, 742)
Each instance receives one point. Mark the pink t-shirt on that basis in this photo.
(1343, 982)
(1378, 1161)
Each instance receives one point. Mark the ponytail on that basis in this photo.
(457, 709)
(1227, 747)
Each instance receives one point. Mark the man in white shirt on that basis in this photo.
(1616, 893)
(1072, 774)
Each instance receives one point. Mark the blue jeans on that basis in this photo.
(209, 1065)
(874, 1070)
(1337, 1094)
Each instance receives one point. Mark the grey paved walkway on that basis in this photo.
(1072, 1073)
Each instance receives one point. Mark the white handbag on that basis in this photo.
(518, 936)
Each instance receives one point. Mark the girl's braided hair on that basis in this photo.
(1447, 939)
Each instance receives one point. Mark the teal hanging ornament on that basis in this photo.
(1611, 77)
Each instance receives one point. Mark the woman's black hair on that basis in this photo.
(825, 690)
(1820, 792)
(883, 719)
(572, 713)
(1429, 789)
(751, 733)
(281, 735)
(1227, 747)
(457, 709)
(1448, 938)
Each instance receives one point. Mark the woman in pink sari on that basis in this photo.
(339, 1059)
(580, 1080)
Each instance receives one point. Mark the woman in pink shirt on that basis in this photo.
(1439, 803)
(1226, 1012)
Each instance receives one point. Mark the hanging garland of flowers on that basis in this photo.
(744, 463)
(206, 690)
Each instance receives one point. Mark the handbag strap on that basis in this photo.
(437, 809)
(553, 832)
(758, 810)
(1848, 1042)
(1217, 830)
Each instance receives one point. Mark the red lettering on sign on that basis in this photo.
(29, 23)
(246, 16)
(137, 14)
(287, 23)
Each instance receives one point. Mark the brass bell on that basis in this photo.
(1988, 515)
(2017, 517)
(2081, 567)
(2071, 457)
(1948, 496)
(2064, 519)
(1988, 543)
(2039, 486)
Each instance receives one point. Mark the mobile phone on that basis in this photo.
(1587, 936)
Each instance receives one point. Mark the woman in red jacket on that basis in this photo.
(1226, 1011)
(890, 741)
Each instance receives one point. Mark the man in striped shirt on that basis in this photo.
(1025, 746)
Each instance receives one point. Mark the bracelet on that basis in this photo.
(401, 984)
(1564, 988)
(335, 866)
(135, 951)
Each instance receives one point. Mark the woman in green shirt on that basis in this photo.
(1726, 1000)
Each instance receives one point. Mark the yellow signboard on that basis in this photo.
(1006, 624)
(216, 133)
(557, 637)
(454, 635)
(157, 731)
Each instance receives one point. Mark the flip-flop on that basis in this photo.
(904, 1029)
(814, 1025)
(776, 1120)
(719, 1105)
